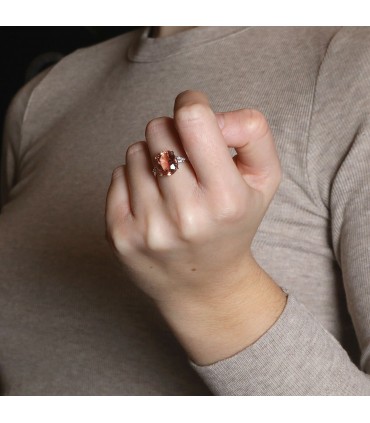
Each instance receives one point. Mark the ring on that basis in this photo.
(166, 163)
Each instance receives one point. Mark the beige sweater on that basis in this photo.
(71, 321)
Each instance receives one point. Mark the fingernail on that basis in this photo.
(220, 119)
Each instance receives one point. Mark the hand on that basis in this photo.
(185, 239)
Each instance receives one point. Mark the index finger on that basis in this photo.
(203, 141)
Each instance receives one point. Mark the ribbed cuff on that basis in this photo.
(296, 356)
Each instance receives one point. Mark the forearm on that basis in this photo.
(218, 326)
(296, 356)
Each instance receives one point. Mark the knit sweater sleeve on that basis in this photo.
(297, 355)
(12, 135)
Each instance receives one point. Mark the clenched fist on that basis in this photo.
(185, 238)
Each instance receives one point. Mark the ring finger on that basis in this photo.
(162, 135)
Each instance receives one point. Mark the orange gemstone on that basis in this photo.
(165, 163)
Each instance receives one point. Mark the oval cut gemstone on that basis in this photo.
(165, 163)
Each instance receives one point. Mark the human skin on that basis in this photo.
(185, 239)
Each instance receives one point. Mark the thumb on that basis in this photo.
(257, 159)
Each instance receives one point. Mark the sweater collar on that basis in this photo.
(146, 49)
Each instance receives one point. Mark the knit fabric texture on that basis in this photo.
(72, 322)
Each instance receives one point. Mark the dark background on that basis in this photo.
(25, 51)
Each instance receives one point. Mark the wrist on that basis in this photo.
(216, 326)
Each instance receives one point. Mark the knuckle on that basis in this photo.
(155, 241)
(155, 125)
(135, 148)
(156, 236)
(188, 225)
(227, 215)
(191, 113)
(116, 239)
(181, 97)
(229, 208)
(254, 123)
